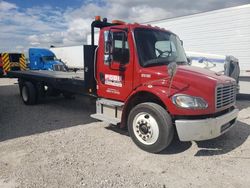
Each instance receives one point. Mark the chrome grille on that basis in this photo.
(58, 68)
(225, 95)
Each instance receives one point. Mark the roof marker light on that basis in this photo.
(97, 18)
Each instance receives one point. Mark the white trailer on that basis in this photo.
(72, 56)
(225, 31)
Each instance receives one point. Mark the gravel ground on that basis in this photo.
(57, 144)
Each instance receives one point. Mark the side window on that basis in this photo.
(121, 50)
(165, 48)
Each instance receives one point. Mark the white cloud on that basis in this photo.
(44, 26)
(5, 6)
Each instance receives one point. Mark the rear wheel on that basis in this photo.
(150, 127)
(28, 93)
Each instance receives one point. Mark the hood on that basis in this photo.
(54, 62)
(49, 64)
(204, 73)
(186, 77)
(193, 81)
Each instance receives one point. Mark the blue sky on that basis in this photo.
(41, 23)
(32, 3)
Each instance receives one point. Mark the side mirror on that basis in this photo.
(108, 46)
(172, 69)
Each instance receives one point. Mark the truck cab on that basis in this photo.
(146, 69)
(44, 59)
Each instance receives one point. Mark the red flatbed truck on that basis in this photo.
(140, 79)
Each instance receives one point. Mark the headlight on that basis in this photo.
(190, 102)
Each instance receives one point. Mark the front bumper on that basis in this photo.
(205, 129)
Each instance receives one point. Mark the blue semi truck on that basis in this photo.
(44, 59)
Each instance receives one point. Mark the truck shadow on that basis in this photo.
(225, 143)
(175, 147)
(218, 146)
(17, 119)
(230, 140)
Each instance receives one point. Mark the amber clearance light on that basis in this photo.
(97, 18)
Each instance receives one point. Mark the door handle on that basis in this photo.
(102, 78)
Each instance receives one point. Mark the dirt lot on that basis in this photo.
(57, 144)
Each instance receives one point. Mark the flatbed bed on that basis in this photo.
(48, 74)
(73, 82)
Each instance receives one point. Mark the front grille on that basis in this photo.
(225, 95)
(58, 68)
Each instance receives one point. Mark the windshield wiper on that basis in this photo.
(156, 62)
(181, 62)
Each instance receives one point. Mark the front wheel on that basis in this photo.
(150, 127)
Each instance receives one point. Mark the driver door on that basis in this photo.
(115, 66)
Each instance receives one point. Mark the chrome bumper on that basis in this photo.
(205, 129)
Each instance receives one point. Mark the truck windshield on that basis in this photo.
(49, 58)
(156, 47)
(14, 57)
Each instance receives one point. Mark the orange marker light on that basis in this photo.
(97, 18)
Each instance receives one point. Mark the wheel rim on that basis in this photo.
(25, 94)
(145, 128)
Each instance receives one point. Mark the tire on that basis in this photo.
(28, 93)
(150, 127)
